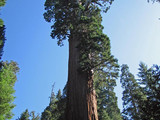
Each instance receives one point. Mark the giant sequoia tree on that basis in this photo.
(79, 21)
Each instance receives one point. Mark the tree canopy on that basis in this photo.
(83, 19)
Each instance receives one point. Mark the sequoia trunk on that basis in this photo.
(81, 97)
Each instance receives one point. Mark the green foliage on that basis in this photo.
(66, 15)
(106, 74)
(25, 115)
(2, 3)
(95, 55)
(59, 95)
(28, 116)
(34, 117)
(105, 81)
(94, 46)
(7, 80)
(1, 23)
(82, 19)
(56, 108)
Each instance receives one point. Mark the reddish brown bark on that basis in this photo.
(81, 97)
(91, 100)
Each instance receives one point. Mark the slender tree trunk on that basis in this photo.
(81, 97)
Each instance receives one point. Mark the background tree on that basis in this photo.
(7, 80)
(107, 101)
(153, 0)
(25, 115)
(80, 22)
(141, 99)
(150, 84)
(56, 108)
(29, 116)
(131, 95)
(34, 116)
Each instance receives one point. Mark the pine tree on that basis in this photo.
(56, 108)
(33, 116)
(133, 97)
(59, 95)
(80, 22)
(26, 115)
(48, 112)
(7, 80)
(141, 97)
(150, 84)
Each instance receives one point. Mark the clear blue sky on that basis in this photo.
(132, 25)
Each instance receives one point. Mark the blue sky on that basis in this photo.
(133, 27)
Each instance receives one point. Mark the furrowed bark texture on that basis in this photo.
(81, 97)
